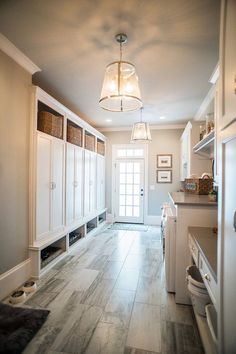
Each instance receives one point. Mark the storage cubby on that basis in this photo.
(74, 134)
(49, 121)
(89, 143)
(53, 251)
(92, 224)
(100, 147)
(102, 217)
(76, 235)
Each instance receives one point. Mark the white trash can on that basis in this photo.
(199, 299)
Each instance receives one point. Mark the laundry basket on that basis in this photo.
(198, 292)
(194, 277)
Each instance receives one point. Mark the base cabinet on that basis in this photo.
(49, 185)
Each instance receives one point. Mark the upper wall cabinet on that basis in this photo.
(227, 87)
(191, 163)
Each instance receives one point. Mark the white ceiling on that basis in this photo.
(173, 44)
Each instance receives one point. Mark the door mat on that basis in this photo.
(130, 227)
(18, 326)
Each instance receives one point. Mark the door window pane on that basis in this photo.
(121, 152)
(129, 189)
(130, 152)
(138, 152)
(136, 211)
(129, 167)
(122, 167)
(136, 178)
(136, 167)
(122, 188)
(122, 211)
(122, 178)
(129, 200)
(122, 200)
(129, 178)
(136, 189)
(136, 200)
(129, 211)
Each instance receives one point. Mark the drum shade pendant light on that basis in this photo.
(120, 90)
(141, 131)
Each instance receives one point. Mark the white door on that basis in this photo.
(129, 190)
(74, 173)
(100, 182)
(43, 187)
(57, 184)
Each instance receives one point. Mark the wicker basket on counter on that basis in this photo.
(50, 124)
(198, 185)
(74, 135)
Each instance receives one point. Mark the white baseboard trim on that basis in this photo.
(153, 220)
(110, 218)
(14, 278)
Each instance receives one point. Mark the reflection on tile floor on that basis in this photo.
(109, 297)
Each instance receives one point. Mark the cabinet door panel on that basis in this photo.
(78, 192)
(227, 61)
(70, 172)
(86, 183)
(100, 182)
(58, 188)
(92, 184)
(43, 191)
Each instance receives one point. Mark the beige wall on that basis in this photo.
(14, 156)
(163, 142)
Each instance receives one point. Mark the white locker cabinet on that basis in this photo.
(74, 190)
(100, 182)
(89, 182)
(49, 185)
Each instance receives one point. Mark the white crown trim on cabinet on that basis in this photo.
(20, 58)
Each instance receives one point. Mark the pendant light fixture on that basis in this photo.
(120, 90)
(141, 131)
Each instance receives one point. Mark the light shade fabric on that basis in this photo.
(141, 132)
(120, 90)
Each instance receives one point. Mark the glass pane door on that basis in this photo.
(129, 190)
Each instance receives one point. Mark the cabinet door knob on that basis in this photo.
(75, 184)
(207, 277)
(53, 185)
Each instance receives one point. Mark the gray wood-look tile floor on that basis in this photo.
(109, 297)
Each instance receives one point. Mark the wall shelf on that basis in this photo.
(205, 147)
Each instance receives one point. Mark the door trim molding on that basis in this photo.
(145, 158)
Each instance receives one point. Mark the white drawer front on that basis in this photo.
(208, 279)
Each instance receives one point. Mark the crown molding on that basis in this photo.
(20, 58)
(215, 75)
(152, 127)
(205, 104)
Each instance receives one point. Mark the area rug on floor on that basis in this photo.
(18, 326)
(131, 227)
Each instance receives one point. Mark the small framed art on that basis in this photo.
(164, 161)
(164, 176)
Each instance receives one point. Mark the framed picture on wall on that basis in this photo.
(164, 176)
(164, 161)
